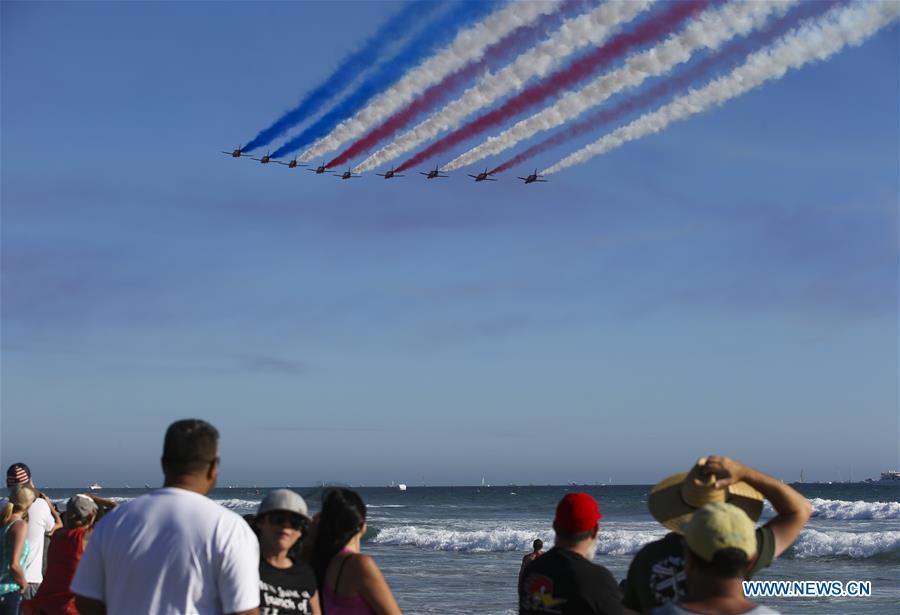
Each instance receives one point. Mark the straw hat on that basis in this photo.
(673, 500)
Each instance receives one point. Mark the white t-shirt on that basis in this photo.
(171, 551)
(40, 521)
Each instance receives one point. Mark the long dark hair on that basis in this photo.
(343, 515)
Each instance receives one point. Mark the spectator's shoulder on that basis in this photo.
(604, 573)
(39, 506)
(229, 523)
(765, 549)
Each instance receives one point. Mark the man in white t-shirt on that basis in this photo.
(173, 550)
(43, 520)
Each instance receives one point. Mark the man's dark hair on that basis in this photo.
(727, 563)
(538, 544)
(190, 446)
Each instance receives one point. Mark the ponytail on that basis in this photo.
(6, 512)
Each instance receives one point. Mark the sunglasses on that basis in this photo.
(282, 517)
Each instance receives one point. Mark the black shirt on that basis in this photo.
(565, 583)
(285, 590)
(657, 575)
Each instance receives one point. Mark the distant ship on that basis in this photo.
(891, 477)
(401, 487)
(95, 487)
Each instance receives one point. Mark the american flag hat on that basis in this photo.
(17, 474)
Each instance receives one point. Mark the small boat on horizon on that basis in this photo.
(95, 487)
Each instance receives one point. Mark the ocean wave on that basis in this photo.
(235, 504)
(60, 503)
(612, 542)
(860, 509)
(813, 543)
(385, 505)
(239, 505)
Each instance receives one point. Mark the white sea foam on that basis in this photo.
(239, 505)
(860, 509)
(612, 542)
(60, 503)
(235, 504)
(813, 543)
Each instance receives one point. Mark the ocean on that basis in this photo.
(458, 549)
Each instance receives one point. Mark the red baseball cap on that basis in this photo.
(576, 513)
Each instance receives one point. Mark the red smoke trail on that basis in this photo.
(732, 53)
(648, 30)
(493, 56)
(402, 118)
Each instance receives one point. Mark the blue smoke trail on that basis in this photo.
(434, 35)
(395, 28)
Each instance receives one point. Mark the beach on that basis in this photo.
(458, 549)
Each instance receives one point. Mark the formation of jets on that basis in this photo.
(435, 173)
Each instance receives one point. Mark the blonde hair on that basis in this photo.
(20, 500)
(6, 512)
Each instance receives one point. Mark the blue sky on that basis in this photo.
(729, 285)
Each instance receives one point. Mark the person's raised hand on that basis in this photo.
(727, 471)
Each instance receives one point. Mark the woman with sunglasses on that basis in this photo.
(350, 582)
(285, 585)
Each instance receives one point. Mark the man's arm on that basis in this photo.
(57, 522)
(793, 509)
(103, 502)
(89, 606)
(237, 576)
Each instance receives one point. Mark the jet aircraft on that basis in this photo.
(389, 174)
(236, 153)
(292, 164)
(433, 174)
(265, 159)
(348, 174)
(534, 177)
(319, 170)
(483, 176)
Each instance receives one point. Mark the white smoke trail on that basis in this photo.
(468, 46)
(850, 25)
(590, 29)
(709, 30)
